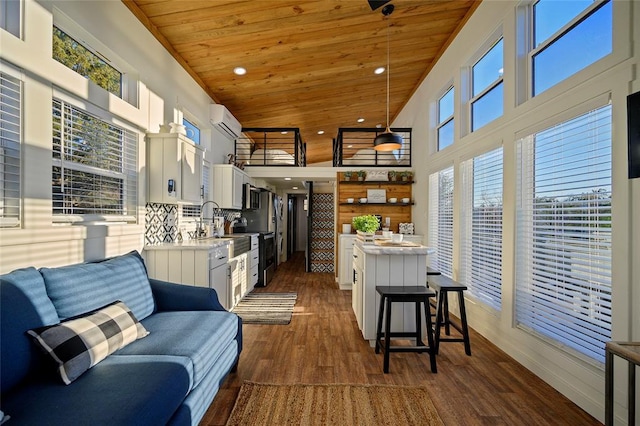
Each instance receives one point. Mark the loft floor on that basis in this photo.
(322, 344)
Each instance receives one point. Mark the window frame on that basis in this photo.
(525, 142)
(15, 222)
(486, 48)
(467, 228)
(435, 216)
(129, 76)
(129, 173)
(528, 41)
(441, 122)
(12, 12)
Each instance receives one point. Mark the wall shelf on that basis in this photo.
(376, 204)
(377, 182)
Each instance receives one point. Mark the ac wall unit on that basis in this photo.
(224, 121)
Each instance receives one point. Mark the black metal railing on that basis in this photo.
(354, 147)
(272, 146)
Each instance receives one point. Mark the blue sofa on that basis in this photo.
(168, 377)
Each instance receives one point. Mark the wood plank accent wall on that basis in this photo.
(399, 212)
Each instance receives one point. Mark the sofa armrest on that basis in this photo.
(179, 297)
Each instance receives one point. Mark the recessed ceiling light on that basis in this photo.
(360, 120)
(349, 146)
(321, 132)
(379, 70)
(287, 178)
(295, 187)
(283, 133)
(239, 71)
(379, 126)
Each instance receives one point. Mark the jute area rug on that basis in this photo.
(266, 308)
(333, 404)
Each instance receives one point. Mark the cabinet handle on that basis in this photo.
(222, 257)
(355, 256)
(255, 275)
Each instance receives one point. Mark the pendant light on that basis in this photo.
(387, 141)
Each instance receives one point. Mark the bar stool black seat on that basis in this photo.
(443, 286)
(417, 295)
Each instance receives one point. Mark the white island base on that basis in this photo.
(376, 265)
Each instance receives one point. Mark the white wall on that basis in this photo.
(164, 90)
(582, 382)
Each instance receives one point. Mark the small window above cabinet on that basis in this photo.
(175, 169)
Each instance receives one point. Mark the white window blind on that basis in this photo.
(481, 230)
(563, 258)
(441, 221)
(10, 135)
(94, 166)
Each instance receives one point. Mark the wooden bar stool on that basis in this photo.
(417, 295)
(443, 286)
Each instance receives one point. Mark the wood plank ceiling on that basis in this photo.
(309, 63)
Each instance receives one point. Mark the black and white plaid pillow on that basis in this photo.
(78, 344)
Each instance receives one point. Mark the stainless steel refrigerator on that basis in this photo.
(267, 218)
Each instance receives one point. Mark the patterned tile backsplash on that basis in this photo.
(164, 221)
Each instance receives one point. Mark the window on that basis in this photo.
(441, 221)
(94, 166)
(445, 119)
(487, 88)
(481, 267)
(568, 36)
(80, 59)
(10, 136)
(193, 132)
(10, 16)
(563, 250)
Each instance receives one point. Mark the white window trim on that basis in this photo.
(100, 113)
(466, 86)
(534, 50)
(466, 225)
(489, 88)
(8, 14)
(442, 122)
(18, 75)
(524, 205)
(130, 77)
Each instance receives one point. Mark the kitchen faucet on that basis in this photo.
(200, 225)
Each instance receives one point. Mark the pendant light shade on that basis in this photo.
(387, 141)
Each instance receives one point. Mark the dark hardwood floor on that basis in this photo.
(322, 344)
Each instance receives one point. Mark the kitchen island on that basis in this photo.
(383, 264)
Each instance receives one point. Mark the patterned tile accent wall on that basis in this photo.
(323, 233)
(163, 221)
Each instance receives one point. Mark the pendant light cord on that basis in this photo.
(388, 69)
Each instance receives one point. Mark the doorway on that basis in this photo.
(296, 224)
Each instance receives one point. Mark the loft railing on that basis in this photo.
(354, 147)
(270, 146)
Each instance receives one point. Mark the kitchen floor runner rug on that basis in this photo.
(266, 308)
(332, 404)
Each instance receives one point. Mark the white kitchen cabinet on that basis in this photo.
(345, 269)
(173, 160)
(227, 186)
(196, 266)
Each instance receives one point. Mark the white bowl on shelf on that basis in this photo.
(393, 200)
(363, 200)
(396, 238)
(350, 200)
(406, 200)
